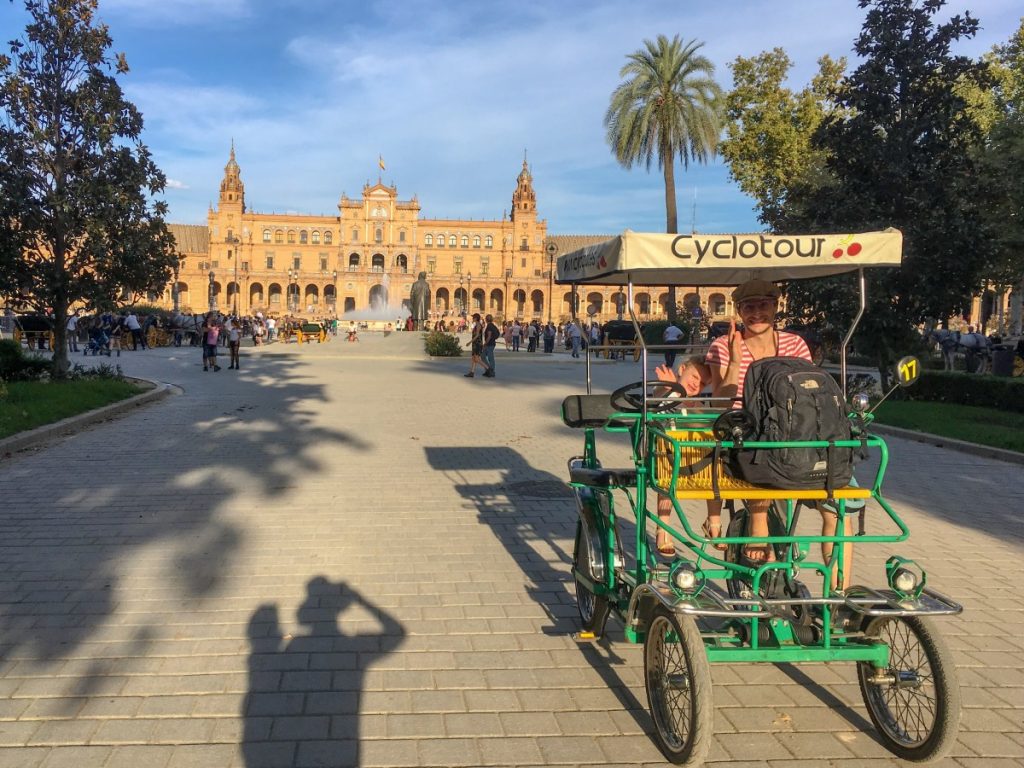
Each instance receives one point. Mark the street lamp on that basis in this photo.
(508, 277)
(552, 250)
(469, 291)
(462, 294)
(175, 296)
(293, 301)
(232, 243)
(334, 296)
(213, 296)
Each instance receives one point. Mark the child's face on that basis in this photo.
(691, 378)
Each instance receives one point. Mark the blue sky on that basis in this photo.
(449, 93)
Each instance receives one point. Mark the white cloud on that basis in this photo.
(175, 184)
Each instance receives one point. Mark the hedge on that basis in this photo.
(998, 392)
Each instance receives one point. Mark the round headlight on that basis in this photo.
(904, 581)
(685, 579)
(860, 402)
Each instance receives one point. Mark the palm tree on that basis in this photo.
(668, 105)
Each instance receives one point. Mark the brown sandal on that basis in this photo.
(665, 546)
(709, 532)
(766, 553)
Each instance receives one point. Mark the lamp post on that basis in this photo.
(469, 292)
(334, 296)
(213, 296)
(175, 296)
(462, 301)
(292, 300)
(552, 249)
(232, 243)
(508, 277)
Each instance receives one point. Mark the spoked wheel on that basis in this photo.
(593, 608)
(678, 678)
(916, 704)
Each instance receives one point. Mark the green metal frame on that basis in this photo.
(761, 635)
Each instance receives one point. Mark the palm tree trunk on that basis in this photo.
(671, 223)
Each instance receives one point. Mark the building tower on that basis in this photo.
(524, 200)
(232, 190)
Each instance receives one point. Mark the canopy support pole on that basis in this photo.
(849, 333)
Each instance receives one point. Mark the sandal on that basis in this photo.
(713, 532)
(665, 546)
(765, 553)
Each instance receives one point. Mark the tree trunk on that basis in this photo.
(60, 363)
(671, 223)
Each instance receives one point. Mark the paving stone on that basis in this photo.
(238, 599)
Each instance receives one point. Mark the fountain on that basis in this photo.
(380, 314)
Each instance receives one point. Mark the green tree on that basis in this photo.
(769, 129)
(668, 105)
(78, 222)
(900, 153)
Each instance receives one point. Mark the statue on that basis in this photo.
(419, 301)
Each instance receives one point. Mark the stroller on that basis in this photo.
(99, 343)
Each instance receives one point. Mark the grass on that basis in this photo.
(31, 404)
(985, 426)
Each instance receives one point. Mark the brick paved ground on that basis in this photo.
(352, 555)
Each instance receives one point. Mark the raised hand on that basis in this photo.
(664, 373)
(735, 341)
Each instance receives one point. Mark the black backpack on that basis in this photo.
(792, 399)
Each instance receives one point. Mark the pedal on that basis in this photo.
(585, 637)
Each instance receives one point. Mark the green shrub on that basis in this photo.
(15, 365)
(969, 389)
(441, 344)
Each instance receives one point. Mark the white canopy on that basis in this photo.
(658, 259)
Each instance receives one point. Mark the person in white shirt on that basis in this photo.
(234, 342)
(131, 322)
(72, 328)
(671, 335)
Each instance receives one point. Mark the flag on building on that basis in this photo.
(380, 161)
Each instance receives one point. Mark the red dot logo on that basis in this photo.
(854, 249)
(837, 253)
(602, 263)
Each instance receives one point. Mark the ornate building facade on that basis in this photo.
(368, 256)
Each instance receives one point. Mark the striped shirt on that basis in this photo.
(790, 345)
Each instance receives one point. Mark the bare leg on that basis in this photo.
(828, 528)
(757, 525)
(663, 539)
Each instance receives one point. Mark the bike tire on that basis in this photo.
(918, 717)
(593, 608)
(677, 676)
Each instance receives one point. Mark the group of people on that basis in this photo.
(723, 370)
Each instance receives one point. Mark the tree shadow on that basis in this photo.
(302, 704)
(157, 482)
(533, 514)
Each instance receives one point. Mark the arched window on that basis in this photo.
(452, 241)
(291, 235)
(489, 241)
(377, 264)
(523, 245)
(378, 235)
(278, 236)
(328, 237)
(476, 241)
(353, 262)
(440, 241)
(266, 235)
(428, 240)
(303, 237)
(355, 235)
(316, 237)
(465, 241)
(402, 262)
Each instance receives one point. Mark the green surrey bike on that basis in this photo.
(708, 606)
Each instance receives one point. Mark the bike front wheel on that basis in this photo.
(915, 701)
(678, 680)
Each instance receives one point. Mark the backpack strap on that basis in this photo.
(829, 453)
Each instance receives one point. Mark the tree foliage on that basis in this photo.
(78, 222)
(668, 106)
(900, 152)
(770, 129)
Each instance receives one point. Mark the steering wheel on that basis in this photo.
(736, 425)
(630, 398)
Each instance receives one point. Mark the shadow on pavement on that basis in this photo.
(533, 514)
(155, 484)
(302, 704)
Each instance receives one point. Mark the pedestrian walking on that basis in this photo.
(234, 342)
(72, 331)
(476, 344)
(491, 335)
